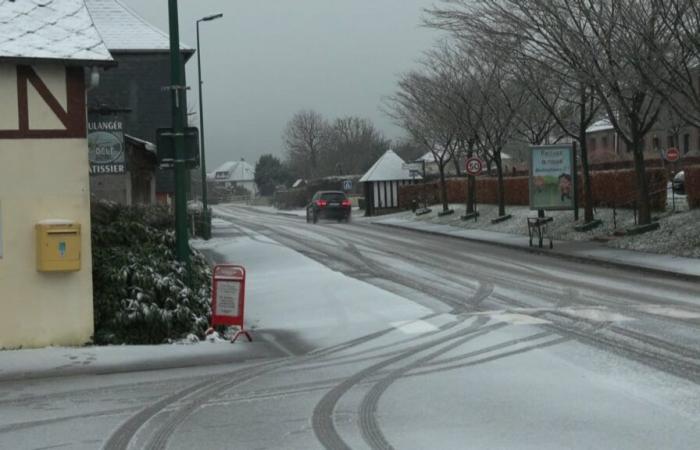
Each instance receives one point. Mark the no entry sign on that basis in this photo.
(228, 298)
(474, 166)
(673, 154)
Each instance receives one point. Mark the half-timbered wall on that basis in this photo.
(44, 174)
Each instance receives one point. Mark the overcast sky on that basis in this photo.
(266, 59)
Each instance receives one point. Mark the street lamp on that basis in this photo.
(206, 230)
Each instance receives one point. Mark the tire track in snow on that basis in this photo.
(369, 425)
(322, 419)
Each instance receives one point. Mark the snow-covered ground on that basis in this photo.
(271, 209)
(288, 295)
(679, 234)
(291, 294)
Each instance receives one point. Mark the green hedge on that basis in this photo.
(141, 295)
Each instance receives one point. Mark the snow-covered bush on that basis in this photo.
(141, 291)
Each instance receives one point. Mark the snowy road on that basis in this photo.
(412, 341)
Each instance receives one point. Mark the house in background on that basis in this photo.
(382, 182)
(134, 93)
(47, 48)
(233, 174)
(605, 145)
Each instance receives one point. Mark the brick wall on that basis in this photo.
(609, 188)
(692, 186)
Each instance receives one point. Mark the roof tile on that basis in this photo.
(123, 29)
(49, 29)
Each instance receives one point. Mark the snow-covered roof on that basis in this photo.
(234, 171)
(389, 167)
(124, 30)
(50, 29)
(601, 125)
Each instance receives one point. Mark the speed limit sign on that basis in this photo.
(475, 166)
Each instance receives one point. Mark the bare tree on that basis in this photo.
(572, 105)
(354, 144)
(418, 107)
(304, 139)
(678, 56)
(611, 45)
(455, 69)
(501, 100)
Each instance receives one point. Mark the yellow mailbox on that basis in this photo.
(58, 246)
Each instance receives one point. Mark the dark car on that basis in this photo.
(333, 205)
(678, 183)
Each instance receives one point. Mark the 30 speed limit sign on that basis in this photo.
(475, 166)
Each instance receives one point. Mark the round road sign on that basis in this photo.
(673, 154)
(475, 166)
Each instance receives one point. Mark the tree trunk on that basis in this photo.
(443, 188)
(471, 187)
(583, 144)
(587, 187)
(501, 184)
(471, 205)
(643, 200)
(458, 170)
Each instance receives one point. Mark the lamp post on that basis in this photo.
(206, 230)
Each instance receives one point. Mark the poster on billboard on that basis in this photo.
(106, 145)
(552, 177)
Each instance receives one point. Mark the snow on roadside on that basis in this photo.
(679, 234)
(273, 210)
(289, 293)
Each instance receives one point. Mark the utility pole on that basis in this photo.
(206, 229)
(177, 89)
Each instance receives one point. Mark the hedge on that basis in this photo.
(142, 294)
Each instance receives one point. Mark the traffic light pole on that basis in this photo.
(177, 90)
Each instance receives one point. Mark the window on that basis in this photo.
(591, 144)
(686, 143)
(670, 142)
(604, 143)
(655, 143)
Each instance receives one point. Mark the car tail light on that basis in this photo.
(346, 203)
(321, 203)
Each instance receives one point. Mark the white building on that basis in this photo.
(235, 173)
(382, 182)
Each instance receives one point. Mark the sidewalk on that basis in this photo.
(284, 315)
(64, 361)
(585, 251)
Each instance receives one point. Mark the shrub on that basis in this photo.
(141, 295)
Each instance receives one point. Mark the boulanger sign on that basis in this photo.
(106, 145)
(552, 177)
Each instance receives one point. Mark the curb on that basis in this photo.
(554, 253)
(140, 365)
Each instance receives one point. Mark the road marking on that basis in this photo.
(518, 319)
(414, 326)
(595, 314)
(675, 313)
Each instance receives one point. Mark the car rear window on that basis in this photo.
(333, 196)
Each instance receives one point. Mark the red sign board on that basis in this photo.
(474, 166)
(673, 154)
(228, 298)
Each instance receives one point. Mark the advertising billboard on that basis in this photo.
(106, 145)
(552, 177)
